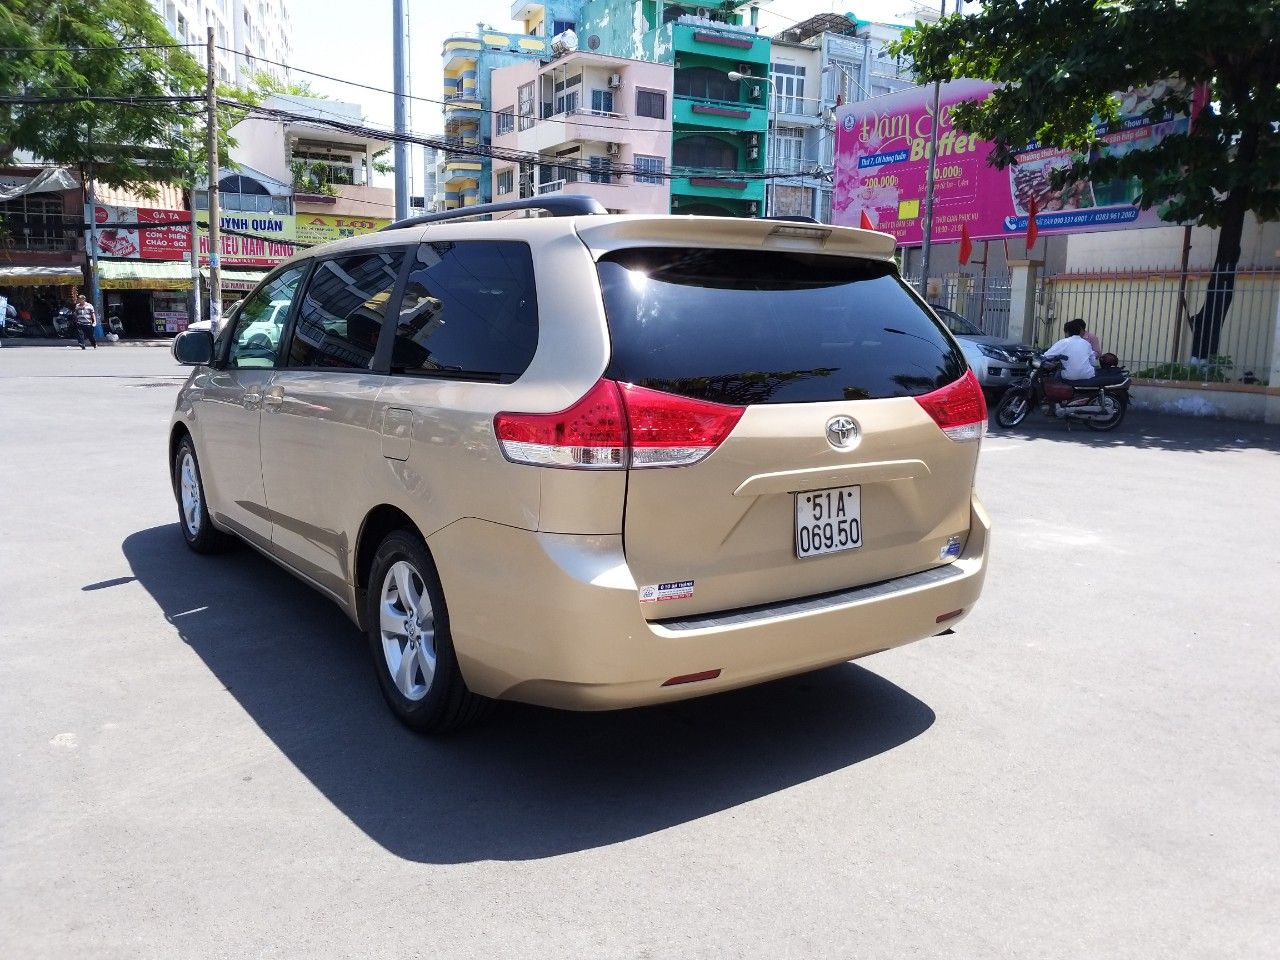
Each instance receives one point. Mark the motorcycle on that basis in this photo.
(64, 324)
(1099, 403)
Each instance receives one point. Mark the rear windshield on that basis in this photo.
(746, 326)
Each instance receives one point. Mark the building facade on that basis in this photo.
(585, 116)
(465, 174)
(817, 65)
(251, 35)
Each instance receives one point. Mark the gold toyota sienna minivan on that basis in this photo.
(592, 461)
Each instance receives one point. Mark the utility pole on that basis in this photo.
(195, 252)
(398, 62)
(215, 211)
(95, 292)
(928, 190)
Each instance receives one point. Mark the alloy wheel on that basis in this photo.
(189, 490)
(407, 627)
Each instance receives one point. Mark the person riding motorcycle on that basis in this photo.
(1078, 359)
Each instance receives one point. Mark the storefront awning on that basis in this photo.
(143, 275)
(40, 276)
(237, 281)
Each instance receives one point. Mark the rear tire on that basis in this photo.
(193, 509)
(1118, 405)
(410, 642)
(1013, 409)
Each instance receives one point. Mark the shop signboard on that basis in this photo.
(250, 239)
(316, 228)
(169, 321)
(116, 236)
(881, 166)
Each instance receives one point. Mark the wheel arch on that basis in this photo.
(176, 434)
(378, 522)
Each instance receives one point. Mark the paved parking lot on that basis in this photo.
(196, 761)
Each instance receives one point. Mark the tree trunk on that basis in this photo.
(1206, 325)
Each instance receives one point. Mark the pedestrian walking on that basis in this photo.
(86, 317)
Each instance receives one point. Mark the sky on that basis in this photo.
(352, 41)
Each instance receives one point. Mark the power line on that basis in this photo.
(97, 49)
(507, 154)
(409, 96)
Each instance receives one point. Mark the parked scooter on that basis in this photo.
(1099, 403)
(64, 323)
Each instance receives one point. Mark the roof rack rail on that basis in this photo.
(573, 206)
(792, 218)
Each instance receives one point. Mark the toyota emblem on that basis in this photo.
(842, 432)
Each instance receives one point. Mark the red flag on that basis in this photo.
(1032, 230)
(966, 245)
(866, 222)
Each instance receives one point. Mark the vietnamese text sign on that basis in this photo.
(269, 239)
(128, 242)
(881, 166)
(316, 228)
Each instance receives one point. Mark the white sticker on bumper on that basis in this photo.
(679, 590)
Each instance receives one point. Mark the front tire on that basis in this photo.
(1115, 407)
(193, 509)
(1013, 409)
(410, 642)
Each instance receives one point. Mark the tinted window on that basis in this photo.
(342, 312)
(747, 326)
(705, 82)
(703, 151)
(651, 103)
(255, 331)
(470, 310)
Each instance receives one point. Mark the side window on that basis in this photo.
(343, 309)
(255, 337)
(470, 311)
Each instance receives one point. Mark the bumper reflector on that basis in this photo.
(693, 677)
(944, 617)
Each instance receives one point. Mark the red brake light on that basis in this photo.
(667, 430)
(618, 425)
(958, 408)
(591, 434)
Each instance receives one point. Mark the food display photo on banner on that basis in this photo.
(882, 161)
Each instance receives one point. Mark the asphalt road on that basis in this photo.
(194, 760)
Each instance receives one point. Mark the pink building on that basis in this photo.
(602, 126)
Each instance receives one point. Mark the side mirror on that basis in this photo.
(193, 348)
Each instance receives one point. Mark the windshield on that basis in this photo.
(757, 326)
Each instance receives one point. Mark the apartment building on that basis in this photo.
(251, 35)
(585, 116)
(825, 61)
(465, 175)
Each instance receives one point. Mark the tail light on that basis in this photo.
(958, 408)
(616, 426)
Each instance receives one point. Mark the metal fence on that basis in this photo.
(980, 297)
(1146, 318)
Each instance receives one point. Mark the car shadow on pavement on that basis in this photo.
(1153, 431)
(531, 782)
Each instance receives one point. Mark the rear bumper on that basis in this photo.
(555, 619)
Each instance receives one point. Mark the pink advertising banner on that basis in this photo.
(881, 166)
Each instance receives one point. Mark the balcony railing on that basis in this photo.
(47, 233)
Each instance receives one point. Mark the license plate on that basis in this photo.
(828, 521)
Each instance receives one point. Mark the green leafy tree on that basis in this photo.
(263, 84)
(73, 50)
(1058, 64)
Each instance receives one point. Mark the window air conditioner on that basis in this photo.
(615, 80)
(615, 149)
